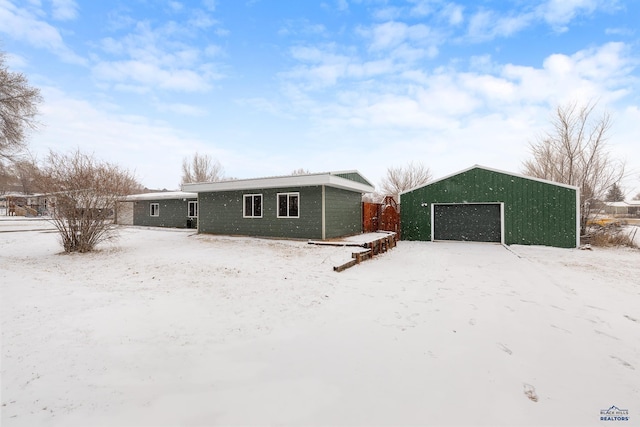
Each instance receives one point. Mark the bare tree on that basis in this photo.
(575, 152)
(399, 179)
(18, 108)
(83, 192)
(201, 168)
(300, 171)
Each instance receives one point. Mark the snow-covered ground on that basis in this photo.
(164, 328)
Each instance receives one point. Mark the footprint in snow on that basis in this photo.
(623, 362)
(530, 392)
(505, 348)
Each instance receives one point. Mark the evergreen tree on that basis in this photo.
(615, 194)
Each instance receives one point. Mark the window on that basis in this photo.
(154, 209)
(193, 209)
(288, 205)
(252, 206)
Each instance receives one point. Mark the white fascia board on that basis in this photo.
(279, 182)
(163, 195)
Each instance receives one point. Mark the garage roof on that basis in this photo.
(493, 170)
(331, 179)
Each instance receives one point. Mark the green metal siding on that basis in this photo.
(535, 213)
(343, 212)
(222, 213)
(173, 213)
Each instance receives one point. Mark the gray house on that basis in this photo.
(175, 209)
(310, 206)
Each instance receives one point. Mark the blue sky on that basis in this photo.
(267, 87)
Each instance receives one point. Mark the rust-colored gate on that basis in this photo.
(381, 216)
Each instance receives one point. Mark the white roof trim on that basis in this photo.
(329, 179)
(546, 181)
(161, 195)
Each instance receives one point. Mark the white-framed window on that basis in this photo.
(192, 210)
(252, 206)
(288, 205)
(154, 209)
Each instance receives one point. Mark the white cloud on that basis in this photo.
(181, 109)
(301, 27)
(342, 5)
(64, 10)
(453, 14)
(22, 24)
(176, 6)
(152, 58)
(558, 13)
(392, 34)
(486, 25)
(447, 113)
(151, 75)
(134, 142)
(598, 73)
(201, 19)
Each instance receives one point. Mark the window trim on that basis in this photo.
(244, 205)
(289, 194)
(157, 209)
(189, 203)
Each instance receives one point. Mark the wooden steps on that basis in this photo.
(372, 248)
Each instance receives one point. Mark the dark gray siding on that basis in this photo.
(222, 213)
(173, 213)
(352, 176)
(343, 212)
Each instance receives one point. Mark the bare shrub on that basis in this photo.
(83, 193)
(612, 235)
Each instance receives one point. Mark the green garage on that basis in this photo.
(481, 204)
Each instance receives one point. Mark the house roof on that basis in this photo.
(161, 195)
(631, 203)
(493, 170)
(331, 179)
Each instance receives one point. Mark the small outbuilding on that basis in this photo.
(488, 205)
(309, 206)
(174, 209)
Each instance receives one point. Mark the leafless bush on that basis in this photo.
(83, 192)
(612, 235)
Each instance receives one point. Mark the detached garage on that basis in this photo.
(486, 205)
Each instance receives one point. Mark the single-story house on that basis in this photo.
(309, 206)
(489, 205)
(623, 209)
(175, 209)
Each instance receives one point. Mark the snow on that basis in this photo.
(163, 327)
